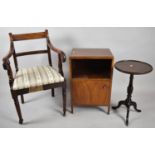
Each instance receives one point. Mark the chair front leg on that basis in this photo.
(64, 98)
(17, 106)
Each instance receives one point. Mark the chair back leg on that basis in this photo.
(22, 99)
(52, 92)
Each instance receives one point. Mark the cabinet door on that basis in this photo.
(90, 92)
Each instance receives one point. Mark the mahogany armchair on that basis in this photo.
(38, 78)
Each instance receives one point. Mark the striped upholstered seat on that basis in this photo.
(35, 77)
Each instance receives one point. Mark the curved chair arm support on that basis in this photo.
(8, 56)
(58, 51)
(7, 66)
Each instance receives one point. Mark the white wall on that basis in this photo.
(125, 43)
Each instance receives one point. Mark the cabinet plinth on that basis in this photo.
(91, 72)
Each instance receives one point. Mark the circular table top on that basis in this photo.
(133, 67)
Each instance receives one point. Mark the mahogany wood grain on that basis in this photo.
(97, 53)
(28, 36)
(91, 92)
(91, 73)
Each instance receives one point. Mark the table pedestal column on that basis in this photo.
(128, 102)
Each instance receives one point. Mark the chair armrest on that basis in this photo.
(7, 57)
(7, 66)
(58, 51)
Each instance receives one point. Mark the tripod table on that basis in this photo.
(131, 67)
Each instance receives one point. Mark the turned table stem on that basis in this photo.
(128, 102)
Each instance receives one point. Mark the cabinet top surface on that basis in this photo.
(91, 53)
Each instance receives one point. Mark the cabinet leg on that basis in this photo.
(109, 110)
(72, 107)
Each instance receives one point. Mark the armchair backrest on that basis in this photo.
(29, 36)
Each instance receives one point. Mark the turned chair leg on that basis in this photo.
(64, 98)
(22, 99)
(52, 92)
(17, 106)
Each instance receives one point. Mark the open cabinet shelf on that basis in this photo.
(91, 69)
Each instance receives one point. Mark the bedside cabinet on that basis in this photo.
(91, 72)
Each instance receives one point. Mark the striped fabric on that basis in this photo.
(35, 77)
